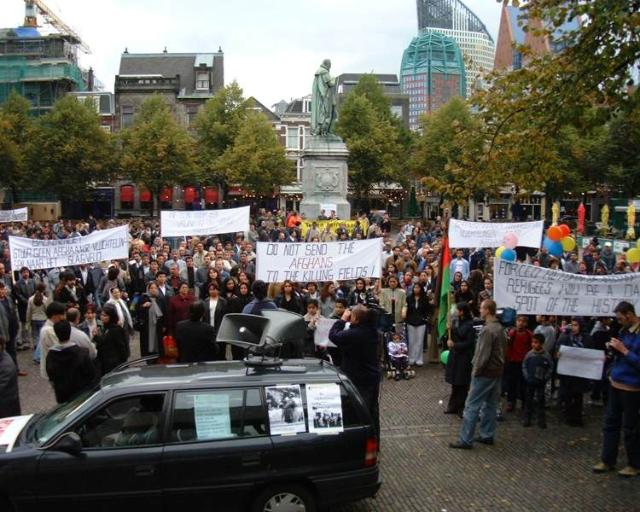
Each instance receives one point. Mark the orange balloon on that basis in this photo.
(555, 233)
(566, 230)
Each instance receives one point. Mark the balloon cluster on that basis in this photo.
(558, 240)
(633, 254)
(507, 250)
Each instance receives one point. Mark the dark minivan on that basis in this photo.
(210, 436)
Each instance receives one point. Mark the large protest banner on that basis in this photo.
(464, 234)
(17, 215)
(204, 222)
(107, 244)
(532, 290)
(305, 262)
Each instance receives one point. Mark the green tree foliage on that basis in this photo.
(373, 137)
(157, 151)
(256, 160)
(624, 152)
(15, 128)
(68, 152)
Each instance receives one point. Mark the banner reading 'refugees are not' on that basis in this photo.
(107, 244)
(204, 222)
(532, 290)
(306, 262)
(465, 234)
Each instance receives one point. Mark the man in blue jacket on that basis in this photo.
(623, 406)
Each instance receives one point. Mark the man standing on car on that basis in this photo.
(488, 365)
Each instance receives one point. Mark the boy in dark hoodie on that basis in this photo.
(537, 368)
(69, 366)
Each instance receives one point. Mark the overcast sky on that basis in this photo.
(272, 48)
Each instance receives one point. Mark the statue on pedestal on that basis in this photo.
(323, 102)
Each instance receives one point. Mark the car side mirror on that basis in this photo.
(69, 443)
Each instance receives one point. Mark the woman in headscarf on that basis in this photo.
(111, 341)
(151, 314)
(461, 345)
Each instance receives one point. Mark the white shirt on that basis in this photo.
(213, 303)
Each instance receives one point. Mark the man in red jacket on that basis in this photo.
(519, 343)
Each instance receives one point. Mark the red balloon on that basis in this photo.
(566, 230)
(555, 233)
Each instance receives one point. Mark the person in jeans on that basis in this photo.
(623, 405)
(488, 366)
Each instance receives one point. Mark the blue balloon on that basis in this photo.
(508, 255)
(554, 248)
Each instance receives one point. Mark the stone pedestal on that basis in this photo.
(324, 177)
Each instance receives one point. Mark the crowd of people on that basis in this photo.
(180, 289)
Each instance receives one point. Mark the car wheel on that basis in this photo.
(284, 498)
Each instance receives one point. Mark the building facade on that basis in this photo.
(185, 80)
(454, 19)
(104, 103)
(432, 72)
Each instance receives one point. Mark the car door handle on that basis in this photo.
(252, 460)
(147, 470)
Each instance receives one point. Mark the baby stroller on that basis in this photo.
(397, 357)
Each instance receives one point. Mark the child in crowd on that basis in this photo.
(519, 343)
(398, 356)
(311, 319)
(537, 368)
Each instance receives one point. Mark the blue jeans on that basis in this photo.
(36, 327)
(483, 395)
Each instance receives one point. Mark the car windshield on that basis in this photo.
(47, 424)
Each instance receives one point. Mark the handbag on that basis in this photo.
(170, 349)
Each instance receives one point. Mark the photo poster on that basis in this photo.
(324, 408)
(321, 261)
(532, 290)
(204, 222)
(101, 245)
(212, 416)
(286, 414)
(465, 234)
(581, 362)
(321, 334)
(327, 209)
(17, 215)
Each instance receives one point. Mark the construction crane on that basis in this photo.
(33, 7)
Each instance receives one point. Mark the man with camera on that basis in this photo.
(623, 406)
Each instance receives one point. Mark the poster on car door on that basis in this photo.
(213, 420)
(286, 414)
(324, 408)
(321, 261)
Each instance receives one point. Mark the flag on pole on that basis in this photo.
(443, 305)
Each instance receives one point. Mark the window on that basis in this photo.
(306, 136)
(126, 116)
(129, 421)
(202, 80)
(217, 414)
(299, 166)
(293, 140)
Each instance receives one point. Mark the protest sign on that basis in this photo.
(212, 416)
(464, 234)
(581, 362)
(330, 261)
(321, 334)
(107, 244)
(333, 225)
(204, 222)
(284, 406)
(532, 290)
(324, 408)
(17, 215)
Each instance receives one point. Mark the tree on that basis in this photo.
(15, 129)
(375, 151)
(623, 152)
(156, 151)
(69, 152)
(256, 160)
(216, 127)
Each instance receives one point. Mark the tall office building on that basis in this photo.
(432, 72)
(455, 20)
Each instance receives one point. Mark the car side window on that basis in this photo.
(217, 414)
(349, 408)
(126, 422)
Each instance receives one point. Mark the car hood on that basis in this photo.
(10, 429)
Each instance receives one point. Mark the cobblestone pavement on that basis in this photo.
(527, 470)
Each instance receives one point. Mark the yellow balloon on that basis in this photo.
(638, 243)
(633, 255)
(568, 243)
(499, 251)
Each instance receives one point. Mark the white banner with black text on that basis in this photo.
(463, 234)
(204, 222)
(17, 215)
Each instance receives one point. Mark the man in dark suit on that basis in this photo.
(215, 307)
(25, 288)
(195, 339)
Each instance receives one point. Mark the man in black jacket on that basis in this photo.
(215, 307)
(69, 366)
(356, 335)
(195, 339)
